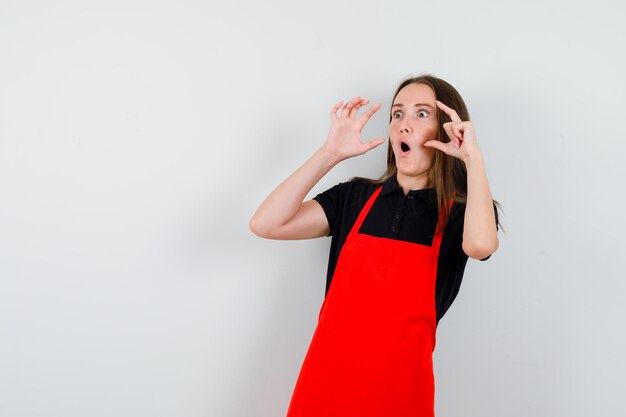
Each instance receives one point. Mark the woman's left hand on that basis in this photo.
(462, 136)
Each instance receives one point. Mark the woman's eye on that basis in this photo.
(398, 113)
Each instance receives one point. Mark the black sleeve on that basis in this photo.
(330, 200)
(462, 220)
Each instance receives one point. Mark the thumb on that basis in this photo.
(374, 143)
(434, 144)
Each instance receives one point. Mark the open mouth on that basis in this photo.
(405, 147)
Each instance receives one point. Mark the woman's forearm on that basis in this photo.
(343, 141)
(282, 204)
(479, 230)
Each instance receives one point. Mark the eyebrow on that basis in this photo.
(416, 105)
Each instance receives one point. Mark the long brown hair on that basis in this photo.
(448, 174)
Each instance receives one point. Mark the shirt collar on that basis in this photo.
(391, 185)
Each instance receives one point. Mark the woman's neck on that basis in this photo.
(418, 182)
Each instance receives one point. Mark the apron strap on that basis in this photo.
(365, 210)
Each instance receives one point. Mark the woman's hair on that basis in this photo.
(448, 174)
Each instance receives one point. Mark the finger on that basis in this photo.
(333, 111)
(451, 134)
(355, 110)
(447, 148)
(435, 144)
(458, 131)
(345, 112)
(368, 114)
(345, 109)
(374, 143)
(450, 112)
(357, 106)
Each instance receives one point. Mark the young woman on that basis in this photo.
(400, 245)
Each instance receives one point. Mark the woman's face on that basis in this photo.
(413, 121)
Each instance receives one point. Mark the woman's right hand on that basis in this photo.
(344, 138)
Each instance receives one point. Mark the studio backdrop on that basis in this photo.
(137, 139)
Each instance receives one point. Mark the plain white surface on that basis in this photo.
(137, 138)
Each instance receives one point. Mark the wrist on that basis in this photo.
(329, 158)
(475, 158)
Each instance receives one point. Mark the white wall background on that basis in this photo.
(137, 138)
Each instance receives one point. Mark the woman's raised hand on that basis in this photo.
(344, 138)
(463, 143)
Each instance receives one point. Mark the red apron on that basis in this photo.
(371, 352)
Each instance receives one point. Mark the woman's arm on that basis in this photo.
(283, 215)
(479, 228)
(282, 204)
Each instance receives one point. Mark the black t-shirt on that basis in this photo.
(393, 215)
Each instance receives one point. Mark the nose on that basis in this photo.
(405, 128)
